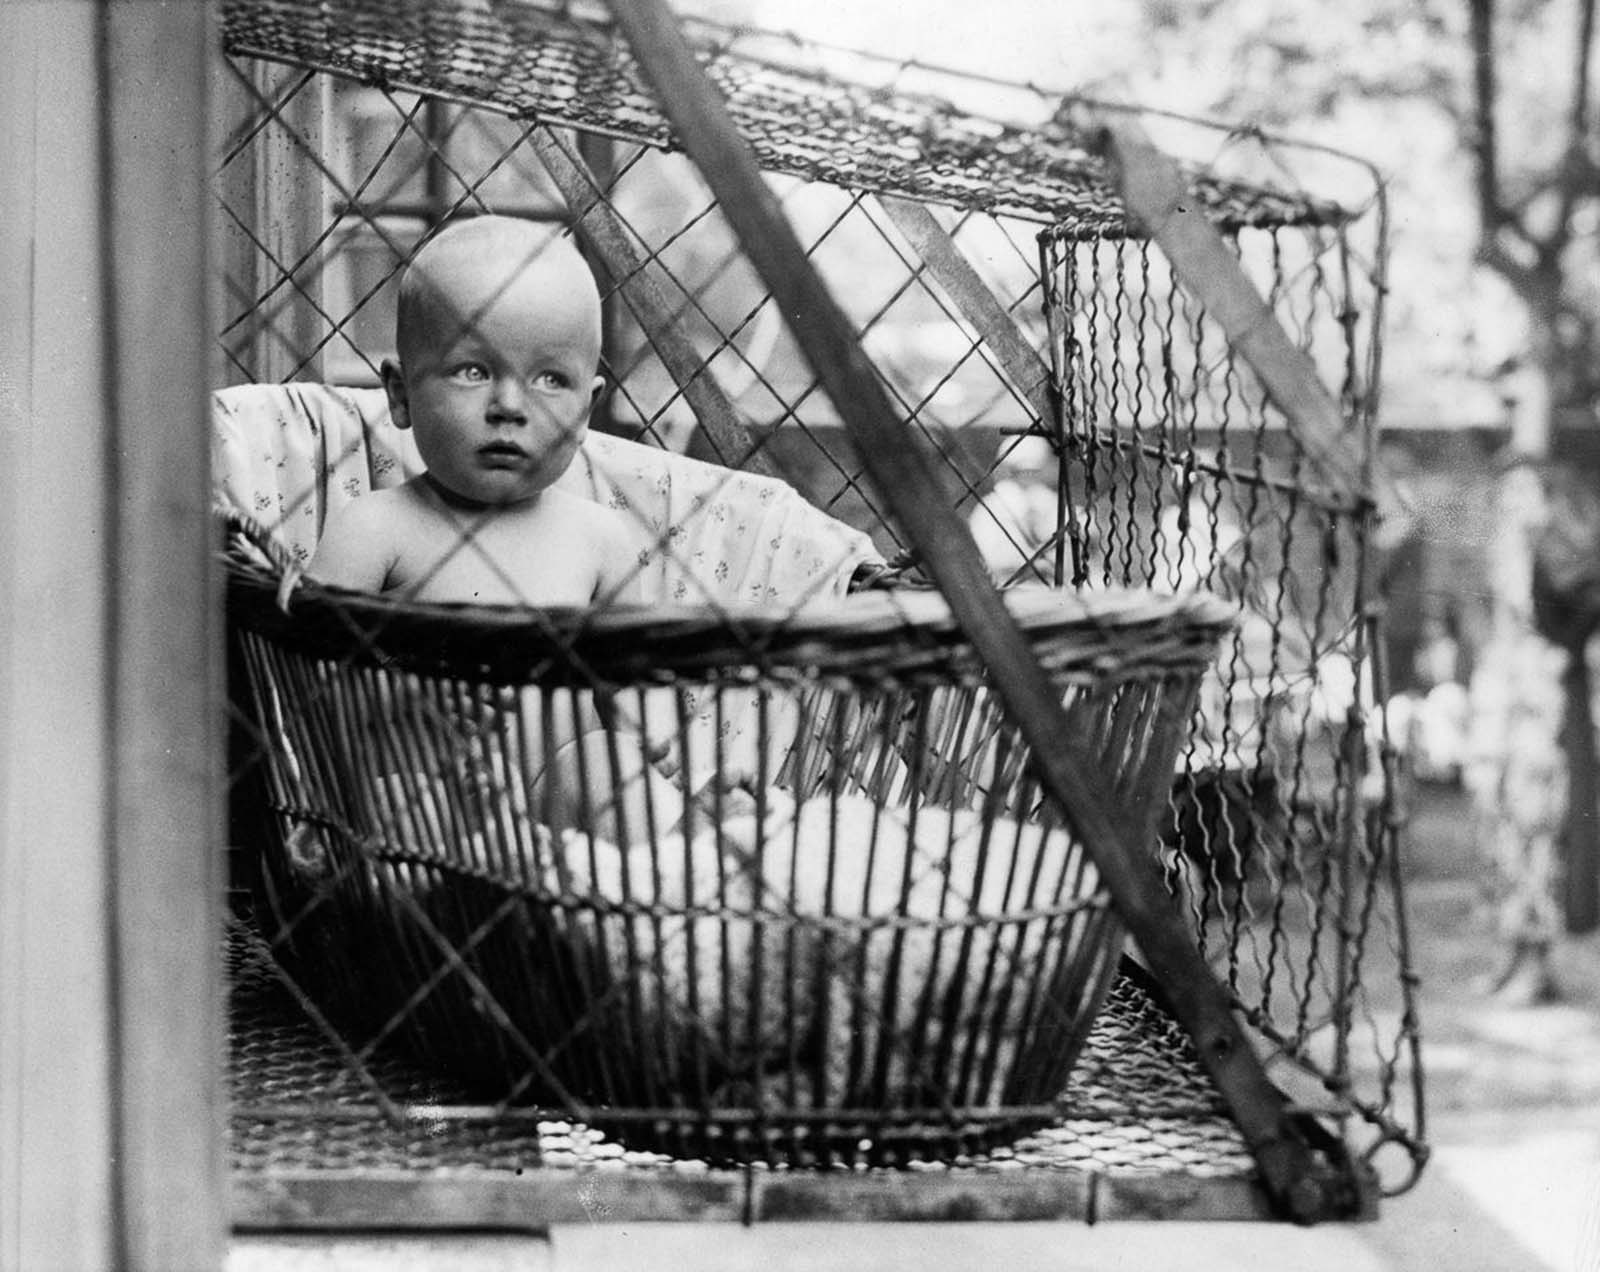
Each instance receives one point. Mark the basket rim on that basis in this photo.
(904, 634)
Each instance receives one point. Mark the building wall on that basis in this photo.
(110, 1143)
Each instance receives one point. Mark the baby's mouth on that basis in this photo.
(507, 452)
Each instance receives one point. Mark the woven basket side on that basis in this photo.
(868, 928)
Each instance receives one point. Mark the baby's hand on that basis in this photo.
(737, 808)
(663, 757)
(722, 797)
(735, 802)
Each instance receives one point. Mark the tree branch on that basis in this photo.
(1502, 227)
(1577, 170)
(1514, 222)
(1580, 83)
(1485, 144)
(1522, 278)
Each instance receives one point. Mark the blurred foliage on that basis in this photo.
(1494, 251)
(1566, 562)
(1391, 81)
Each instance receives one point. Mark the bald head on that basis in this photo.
(490, 266)
(499, 342)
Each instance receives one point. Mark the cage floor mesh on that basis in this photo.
(1141, 1131)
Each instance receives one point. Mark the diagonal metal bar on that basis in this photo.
(1158, 198)
(600, 228)
(974, 300)
(1298, 1173)
(997, 315)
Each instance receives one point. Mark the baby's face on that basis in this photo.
(497, 379)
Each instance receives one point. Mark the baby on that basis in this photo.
(498, 341)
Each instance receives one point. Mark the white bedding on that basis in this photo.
(823, 935)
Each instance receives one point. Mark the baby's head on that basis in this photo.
(498, 337)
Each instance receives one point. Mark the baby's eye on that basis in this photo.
(469, 372)
(552, 380)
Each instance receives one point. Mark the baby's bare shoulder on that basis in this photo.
(610, 541)
(379, 514)
(583, 513)
(359, 541)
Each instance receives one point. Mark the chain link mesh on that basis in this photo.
(357, 129)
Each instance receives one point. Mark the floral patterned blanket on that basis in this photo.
(289, 454)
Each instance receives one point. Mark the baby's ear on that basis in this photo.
(394, 387)
(596, 389)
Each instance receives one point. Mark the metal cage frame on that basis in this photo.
(1171, 420)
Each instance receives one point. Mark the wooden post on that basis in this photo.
(1302, 1182)
(56, 1133)
(110, 826)
(167, 748)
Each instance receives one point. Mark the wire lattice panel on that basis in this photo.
(1084, 413)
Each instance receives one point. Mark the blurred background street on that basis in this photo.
(1513, 1089)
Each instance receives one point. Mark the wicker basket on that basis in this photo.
(846, 928)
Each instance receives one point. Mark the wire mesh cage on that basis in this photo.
(1092, 421)
(1176, 469)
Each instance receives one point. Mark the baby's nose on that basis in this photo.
(509, 400)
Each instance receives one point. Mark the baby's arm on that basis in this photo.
(357, 549)
(619, 573)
